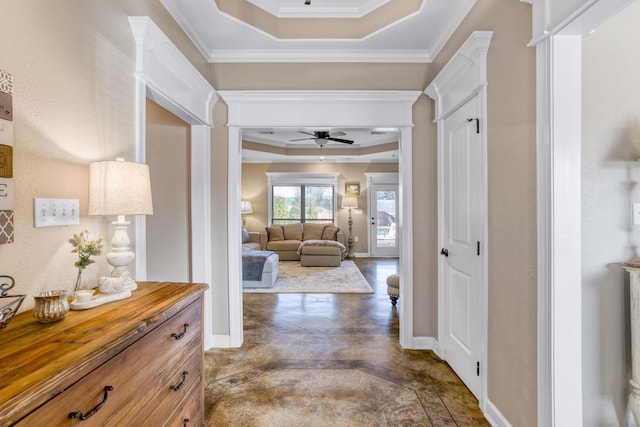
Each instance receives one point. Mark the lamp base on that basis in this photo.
(121, 256)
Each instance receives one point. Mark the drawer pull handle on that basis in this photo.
(185, 422)
(179, 386)
(92, 412)
(180, 336)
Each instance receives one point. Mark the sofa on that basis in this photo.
(250, 248)
(285, 239)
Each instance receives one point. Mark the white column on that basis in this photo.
(634, 315)
(559, 240)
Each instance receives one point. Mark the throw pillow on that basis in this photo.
(245, 236)
(330, 233)
(292, 231)
(313, 231)
(275, 233)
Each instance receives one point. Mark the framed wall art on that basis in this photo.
(352, 189)
(6, 158)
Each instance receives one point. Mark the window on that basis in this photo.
(302, 197)
(302, 203)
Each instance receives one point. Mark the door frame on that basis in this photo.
(295, 109)
(461, 79)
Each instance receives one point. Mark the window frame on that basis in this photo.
(302, 179)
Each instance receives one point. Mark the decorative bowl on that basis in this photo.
(50, 306)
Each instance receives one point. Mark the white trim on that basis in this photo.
(319, 55)
(382, 178)
(354, 109)
(559, 232)
(328, 9)
(405, 228)
(425, 343)
(159, 65)
(461, 79)
(495, 417)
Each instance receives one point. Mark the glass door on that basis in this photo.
(383, 220)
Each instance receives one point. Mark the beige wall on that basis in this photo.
(255, 188)
(73, 66)
(168, 229)
(512, 203)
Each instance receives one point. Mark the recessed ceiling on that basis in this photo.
(319, 8)
(291, 146)
(409, 36)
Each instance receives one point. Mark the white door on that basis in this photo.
(383, 220)
(461, 262)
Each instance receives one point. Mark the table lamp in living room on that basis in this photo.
(245, 208)
(120, 188)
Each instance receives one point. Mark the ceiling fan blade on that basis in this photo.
(301, 139)
(344, 141)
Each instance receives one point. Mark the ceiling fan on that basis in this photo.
(322, 136)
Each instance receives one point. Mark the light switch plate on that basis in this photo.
(55, 212)
(636, 214)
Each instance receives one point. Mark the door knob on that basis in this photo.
(444, 252)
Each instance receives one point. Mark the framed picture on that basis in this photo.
(352, 189)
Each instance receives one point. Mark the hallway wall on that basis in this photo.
(610, 177)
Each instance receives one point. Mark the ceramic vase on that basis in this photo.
(50, 306)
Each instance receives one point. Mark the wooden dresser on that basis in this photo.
(132, 362)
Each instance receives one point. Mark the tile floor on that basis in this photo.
(332, 360)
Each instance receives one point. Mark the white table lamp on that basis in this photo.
(120, 188)
(245, 208)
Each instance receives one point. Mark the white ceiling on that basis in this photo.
(416, 38)
(222, 38)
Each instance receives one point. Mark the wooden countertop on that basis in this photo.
(39, 361)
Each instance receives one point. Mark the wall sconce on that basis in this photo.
(350, 202)
(120, 188)
(245, 208)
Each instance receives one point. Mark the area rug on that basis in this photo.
(295, 279)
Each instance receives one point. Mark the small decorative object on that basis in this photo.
(50, 306)
(83, 295)
(9, 304)
(111, 285)
(85, 248)
(352, 189)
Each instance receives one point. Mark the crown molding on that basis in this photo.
(311, 55)
(327, 9)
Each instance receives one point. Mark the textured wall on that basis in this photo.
(610, 177)
(73, 66)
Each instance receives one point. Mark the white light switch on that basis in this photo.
(636, 214)
(56, 212)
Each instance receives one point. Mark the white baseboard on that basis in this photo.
(217, 341)
(494, 416)
(424, 343)
(361, 255)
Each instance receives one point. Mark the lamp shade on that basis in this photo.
(245, 207)
(119, 188)
(349, 202)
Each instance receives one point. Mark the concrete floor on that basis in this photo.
(332, 360)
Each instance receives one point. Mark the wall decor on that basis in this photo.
(352, 189)
(6, 158)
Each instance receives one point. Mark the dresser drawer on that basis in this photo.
(169, 402)
(123, 386)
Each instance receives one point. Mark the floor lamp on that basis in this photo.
(120, 188)
(350, 202)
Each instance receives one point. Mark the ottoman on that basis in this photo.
(269, 272)
(393, 288)
(321, 253)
